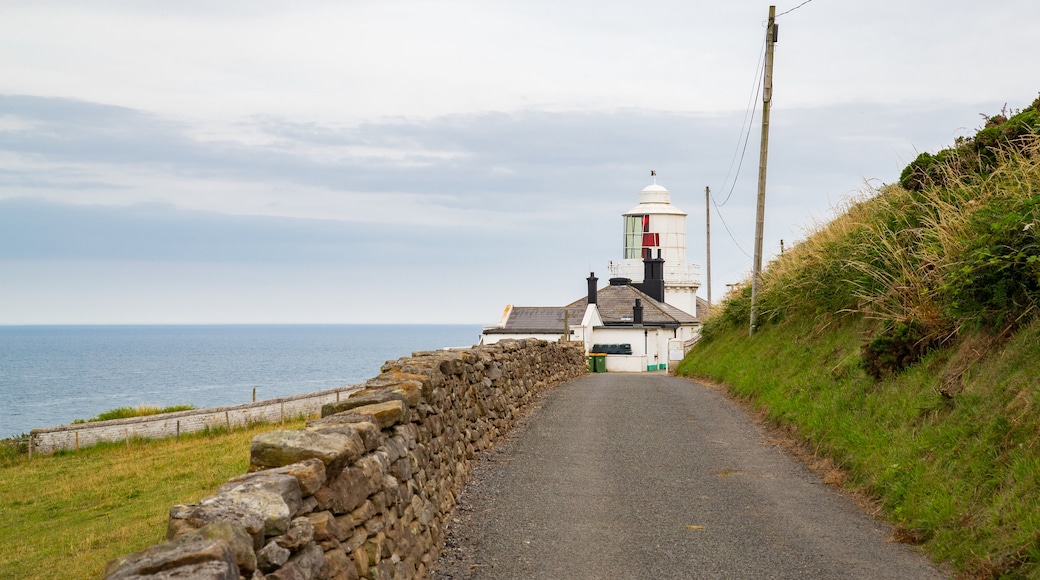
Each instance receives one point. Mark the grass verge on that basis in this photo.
(960, 476)
(67, 515)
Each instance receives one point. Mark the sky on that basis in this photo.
(393, 161)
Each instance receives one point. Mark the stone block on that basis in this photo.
(360, 399)
(387, 414)
(305, 565)
(360, 558)
(271, 557)
(285, 486)
(324, 525)
(365, 426)
(309, 473)
(237, 538)
(362, 514)
(347, 491)
(281, 448)
(185, 518)
(299, 534)
(258, 510)
(337, 566)
(198, 558)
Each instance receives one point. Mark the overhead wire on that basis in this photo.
(745, 132)
(745, 136)
(745, 124)
(793, 9)
(728, 231)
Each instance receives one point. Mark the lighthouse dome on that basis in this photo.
(655, 199)
(654, 193)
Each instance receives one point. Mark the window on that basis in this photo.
(635, 227)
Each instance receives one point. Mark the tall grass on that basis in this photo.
(924, 264)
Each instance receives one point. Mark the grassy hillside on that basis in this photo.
(902, 340)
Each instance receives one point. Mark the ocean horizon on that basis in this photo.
(51, 375)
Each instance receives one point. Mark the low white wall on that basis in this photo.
(166, 425)
(626, 363)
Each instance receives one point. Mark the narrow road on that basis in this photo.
(650, 476)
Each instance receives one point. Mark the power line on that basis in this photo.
(728, 231)
(793, 9)
(746, 124)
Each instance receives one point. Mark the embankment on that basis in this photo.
(364, 491)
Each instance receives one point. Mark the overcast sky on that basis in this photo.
(431, 161)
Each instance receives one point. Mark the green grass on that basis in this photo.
(138, 411)
(963, 474)
(67, 515)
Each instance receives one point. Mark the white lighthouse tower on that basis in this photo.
(656, 228)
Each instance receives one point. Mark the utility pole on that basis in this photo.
(707, 234)
(767, 97)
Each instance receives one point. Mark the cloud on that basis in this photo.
(512, 203)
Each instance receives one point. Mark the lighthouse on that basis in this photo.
(646, 318)
(657, 229)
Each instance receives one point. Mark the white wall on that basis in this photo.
(620, 363)
(171, 424)
(494, 338)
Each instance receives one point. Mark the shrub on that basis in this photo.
(894, 347)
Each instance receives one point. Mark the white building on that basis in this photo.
(646, 318)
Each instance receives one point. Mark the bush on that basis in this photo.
(896, 346)
(980, 155)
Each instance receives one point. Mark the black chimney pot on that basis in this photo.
(637, 312)
(653, 277)
(592, 279)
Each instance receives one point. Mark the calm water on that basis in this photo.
(51, 375)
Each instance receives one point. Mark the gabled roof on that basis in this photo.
(538, 320)
(615, 306)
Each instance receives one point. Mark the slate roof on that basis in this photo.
(538, 320)
(615, 307)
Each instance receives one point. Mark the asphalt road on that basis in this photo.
(650, 476)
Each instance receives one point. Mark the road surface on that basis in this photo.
(650, 476)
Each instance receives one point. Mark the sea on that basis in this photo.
(53, 375)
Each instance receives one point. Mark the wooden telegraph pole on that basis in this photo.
(767, 97)
(707, 234)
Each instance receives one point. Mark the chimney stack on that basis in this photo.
(653, 277)
(592, 279)
(637, 312)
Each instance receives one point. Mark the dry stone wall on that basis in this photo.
(364, 491)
